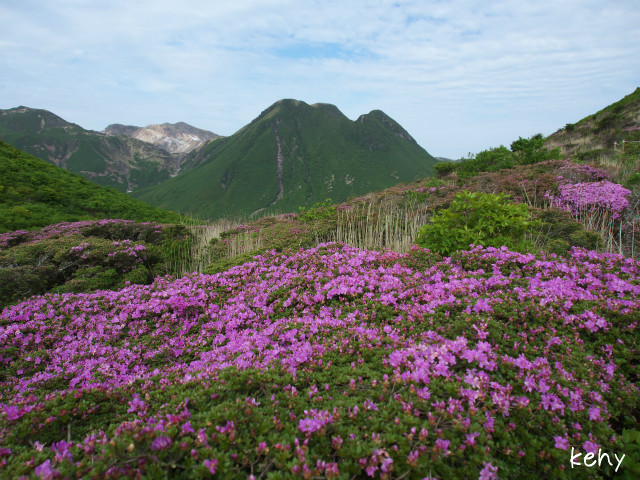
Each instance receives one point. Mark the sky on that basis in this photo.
(460, 76)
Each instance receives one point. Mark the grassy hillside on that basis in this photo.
(115, 161)
(600, 136)
(293, 155)
(34, 193)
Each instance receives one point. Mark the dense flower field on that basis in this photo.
(330, 362)
(71, 228)
(589, 197)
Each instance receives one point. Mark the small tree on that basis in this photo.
(477, 218)
(532, 150)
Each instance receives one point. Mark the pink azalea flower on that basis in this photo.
(561, 443)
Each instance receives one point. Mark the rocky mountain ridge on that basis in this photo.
(175, 138)
(117, 161)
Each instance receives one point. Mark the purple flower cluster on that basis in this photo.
(60, 230)
(576, 172)
(130, 249)
(584, 198)
(521, 355)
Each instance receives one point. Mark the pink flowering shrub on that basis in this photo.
(577, 172)
(83, 256)
(330, 362)
(588, 198)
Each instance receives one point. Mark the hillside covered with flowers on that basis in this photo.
(329, 362)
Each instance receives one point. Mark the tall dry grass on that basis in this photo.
(620, 165)
(388, 226)
(195, 255)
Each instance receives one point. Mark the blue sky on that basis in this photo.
(460, 75)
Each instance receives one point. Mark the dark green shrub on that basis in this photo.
(477, 218)
(140, 275)
(556, 223)
(226, 263)
(633, 180)
(532, 150)
(558, 246)
(443, 169)
(89, 279)
(585, 239)
(606, 122)
(631, 465)
(24, 281)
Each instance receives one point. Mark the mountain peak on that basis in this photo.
(175, 138)
(293, 154)
(388, 122)
(34, 120)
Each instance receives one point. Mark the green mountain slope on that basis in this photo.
(34, 193)
(292, 155)
(116, 161)
(601, 135)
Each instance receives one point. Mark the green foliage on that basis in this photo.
(443, 169)
(606, 122)
(631, 463)
(225, 263)
(558, 246)
(633, 180)
(524, 151)
(476, 218)
(531, 150)
(558, 232)
(36, 193)
(486, 161)
(318, 211)
(97, 257)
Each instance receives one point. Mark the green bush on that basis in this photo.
(631, 465)
(89, 279)
(633, 180)
(477, 218)
(532, 150)
(586, 239)
(558, 246)
(443, 169)
(318, 211)
(95, 256)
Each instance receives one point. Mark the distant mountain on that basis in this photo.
(293, 154)
(116, 159)
(175, 138)
(598, 135)
(34, 193)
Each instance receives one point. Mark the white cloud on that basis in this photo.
(460, 75)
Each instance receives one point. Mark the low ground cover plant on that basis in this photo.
(86, 256)
(330, 362)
